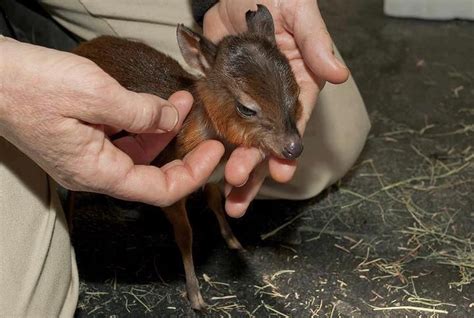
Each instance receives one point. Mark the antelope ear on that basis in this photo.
(197, 51)
(261, 22)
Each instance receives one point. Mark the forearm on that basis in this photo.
(25, 90)
(3, 79)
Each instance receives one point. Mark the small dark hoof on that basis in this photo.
(197, 302)
(199, 306)
(234, 244)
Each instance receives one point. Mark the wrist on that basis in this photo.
(7, 79)
(3, 98)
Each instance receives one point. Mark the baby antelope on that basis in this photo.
(245, 95)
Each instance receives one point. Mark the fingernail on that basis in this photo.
(169, 118)
(340, 64)
(243, 183)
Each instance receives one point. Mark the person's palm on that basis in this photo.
(302, 36)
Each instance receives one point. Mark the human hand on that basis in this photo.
(302, 36)
(59, 108)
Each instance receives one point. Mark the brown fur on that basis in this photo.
(247, 68)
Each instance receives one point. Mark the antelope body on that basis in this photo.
(246, 95)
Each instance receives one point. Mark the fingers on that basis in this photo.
(238, 200)
(308, 97)
(213, 26)
(240, 165)
(135, 112)
(152, 185)
(227, 17)
(245, 172)
(314, 41)
(143, 148)
(281, 170)
(6, 39)
(302, 18)
(140, 113)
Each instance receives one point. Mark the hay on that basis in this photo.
(421, 231)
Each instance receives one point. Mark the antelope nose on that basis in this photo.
(293, 149)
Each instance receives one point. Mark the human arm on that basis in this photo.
(59, 109)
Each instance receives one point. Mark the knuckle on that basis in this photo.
(145, 115)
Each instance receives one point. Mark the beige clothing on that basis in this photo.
(38, 275)
(151, 21)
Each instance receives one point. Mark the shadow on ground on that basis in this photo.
(394, 238)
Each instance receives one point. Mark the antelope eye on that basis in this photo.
(245, 111)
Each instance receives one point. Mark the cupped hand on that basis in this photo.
(59, 109)
(302, 36)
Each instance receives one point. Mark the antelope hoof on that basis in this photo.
(197, 303)
(233, 243)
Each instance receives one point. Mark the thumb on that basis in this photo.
(135, 112)
(315, 43)
(143, 148)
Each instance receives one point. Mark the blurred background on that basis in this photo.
(430, 9)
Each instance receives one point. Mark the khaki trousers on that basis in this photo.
(38, 275)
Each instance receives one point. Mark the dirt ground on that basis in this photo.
(394, 238)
